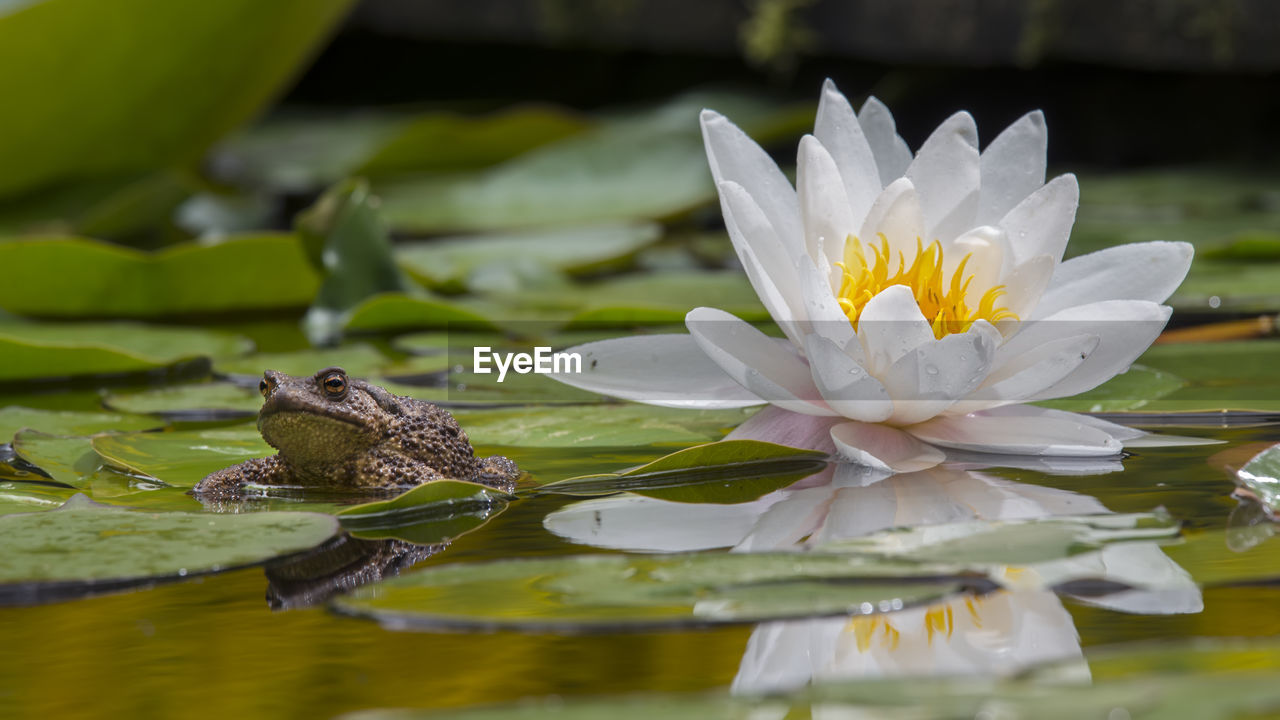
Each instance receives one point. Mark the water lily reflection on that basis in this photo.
(995, 634)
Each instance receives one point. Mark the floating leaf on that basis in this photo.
(725, 472)
(182, 458)
(203, 402)
(359, 360)
(647, 166)
(66, 459)
(83, 548)
(597, 425)
(455, 264)
(78, 277)
(665, 298)
(1250, 384)
(69, 349)
(581, 593)
(1132, 390)
(430, 513)
(398, 311)
(96, 112)
(69, 422)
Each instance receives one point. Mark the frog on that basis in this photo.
(337, 432)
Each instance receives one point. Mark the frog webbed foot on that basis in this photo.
(497, 472)
(230, 482)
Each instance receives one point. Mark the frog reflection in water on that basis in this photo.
(333, 431)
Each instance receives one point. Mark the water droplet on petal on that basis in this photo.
(931, 369)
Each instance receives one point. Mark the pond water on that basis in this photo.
(214, 641)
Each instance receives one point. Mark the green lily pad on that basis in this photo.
(69, 422)
(83, 547)
(96, 113)
(359, 360)
(303, 153)
(725, 472)
(1250, 384)
(651, 165)
(430, 513)
(78, 277)
(22, 497)
(1136, 389)
(1261, 476)
(181, 458)
(34, 351)
(581, 593)
(468, 389)
(598, 425)
(66, 459)
(202, 402)
(399, 311)
(480, 262)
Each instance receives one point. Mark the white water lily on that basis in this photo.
(922, 298)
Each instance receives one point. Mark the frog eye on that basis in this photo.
(335, 383)
(263, 387)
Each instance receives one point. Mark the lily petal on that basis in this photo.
(931, 378)
(883, 448)
(1138, 271)
(1032, 372)
(1041, 223)
(666, 370)
(766, 366)
(891, 326)
(841, 134)
(735, 157)
(845, 385)
(1031, 433)
(824, 207)
(891, 152)
(762, 281)
(1013, 166)
(947, 174)
(783, 427)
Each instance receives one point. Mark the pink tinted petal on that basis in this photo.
(884, 448)
(1028, 433)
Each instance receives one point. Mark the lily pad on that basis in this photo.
(1261, 476)
(400, 311)
(597, 425)
(430, 513)
(69, 422)
(650, 165)
(66, 459)
(1251, 384)
(479, 262)
(23, 497)
(34, 351)
(583, 593)
(78, 277)
(202, 402)
(1138, 388)
(725, 472)
(359, 360)
(182, 458)
(83, 548)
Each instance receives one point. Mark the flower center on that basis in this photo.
(941, 300)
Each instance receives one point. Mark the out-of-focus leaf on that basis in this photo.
(78, 277)
(202, 402)
(34, 351)
(399, 311)
(359, 360)
(1238, 375)
(645, 166)
(473, 262)
(95, 111)
(1133, 389)
(1261, 475)
(346, 237)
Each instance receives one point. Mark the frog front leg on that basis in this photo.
(228, 482)
(497, 472)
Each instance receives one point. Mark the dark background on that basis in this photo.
(1124, 83)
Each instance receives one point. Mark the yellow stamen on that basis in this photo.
(942, 303)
